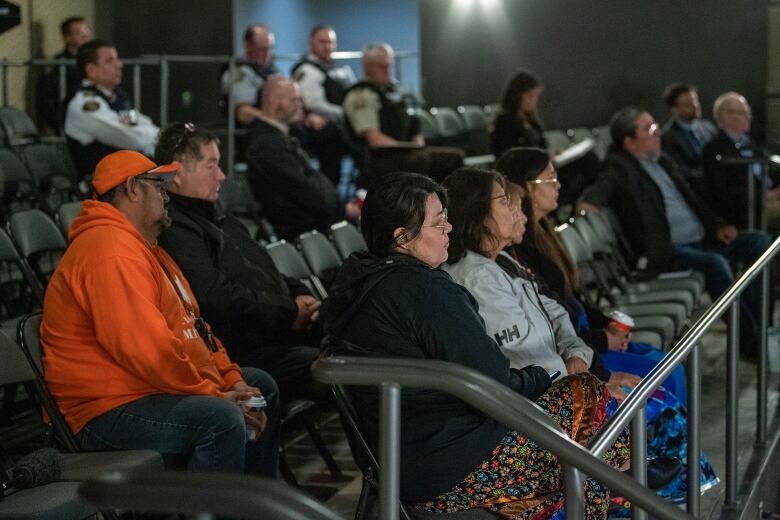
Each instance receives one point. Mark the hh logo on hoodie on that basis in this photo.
(507, 335)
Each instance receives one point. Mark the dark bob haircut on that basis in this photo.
(470, 192)
(396, 200)
(522, 164)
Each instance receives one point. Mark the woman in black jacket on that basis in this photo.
(393, 301)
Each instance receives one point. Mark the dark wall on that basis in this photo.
(195, 27)
(594, 57)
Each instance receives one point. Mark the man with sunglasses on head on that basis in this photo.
(265, 319)
(667, 225)
(128, 358)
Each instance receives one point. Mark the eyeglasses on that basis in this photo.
(443, 221)
(188, 127)
(545, 181)
(505, 198)
(162, 184)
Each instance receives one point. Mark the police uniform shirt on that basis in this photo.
(361, 108)
(90, 118)
(247, 83)
(311, 80)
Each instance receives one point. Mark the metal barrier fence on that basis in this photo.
(505, 406)
(164, 62)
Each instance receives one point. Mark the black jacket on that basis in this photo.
(509, 131)
(727, 183)
(294, 196)
(624, 186)
(248, 303)
(400, 307)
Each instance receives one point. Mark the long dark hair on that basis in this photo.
(396, 200)
(523, 81)
(521, 165)
(470, 191)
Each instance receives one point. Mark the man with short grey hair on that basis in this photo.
(727, 184)
(380, 118)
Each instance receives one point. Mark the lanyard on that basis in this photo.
(204, 331)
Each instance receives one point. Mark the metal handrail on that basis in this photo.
(492, 399)
(676, 355)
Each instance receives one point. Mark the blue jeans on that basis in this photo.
(209, 432)
(716, 265)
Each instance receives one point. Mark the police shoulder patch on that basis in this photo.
(90, 106)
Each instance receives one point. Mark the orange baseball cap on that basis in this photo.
(116, 168)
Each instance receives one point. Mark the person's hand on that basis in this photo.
(624, 379)
(256, 421)
(314, 121)
(617, 340)
(617, 392)
(308, 311)
(584, 207)
(419, 140)
(727, 233)
(241, 392)
(352, 211)
(575, 365)
(241, 386)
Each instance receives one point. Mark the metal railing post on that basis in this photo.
(751, 197)
(231, 120)
(163, 91)
(732, 419)
(62, 70)
(572, 492)
(389, 450)
(137, 86)
(694, 430)
(764, 180)
(639, 455)
(4, 79)
(763, 359)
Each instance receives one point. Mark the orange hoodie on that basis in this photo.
(114, 328)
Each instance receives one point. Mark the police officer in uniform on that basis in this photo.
(323, 83)
(258, 65)
(100, 118)
(380, 119)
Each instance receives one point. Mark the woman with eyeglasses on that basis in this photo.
(394, 301)
(537, 249)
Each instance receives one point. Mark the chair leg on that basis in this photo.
(314, 433)
(361, 511)
(284, 469)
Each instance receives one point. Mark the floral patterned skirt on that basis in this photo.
(521, 480)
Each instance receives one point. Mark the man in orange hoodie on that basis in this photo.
(127, 357)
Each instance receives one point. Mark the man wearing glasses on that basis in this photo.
(667, 225)
(129, 360)
(265, 319)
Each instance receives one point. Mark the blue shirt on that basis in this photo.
(684, 226)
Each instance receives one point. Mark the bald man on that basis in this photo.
(295, 197)
(727, 184)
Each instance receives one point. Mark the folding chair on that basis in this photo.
(55, 501)
(53, 171)
(19, 190)
(475, 123)
(290, 263)
(17, 125)
(319, 253)
(452, 130)
(66, 214)
(347, 239)
(39, 240)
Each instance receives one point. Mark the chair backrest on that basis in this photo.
(591, 238)
(557, 141)
(491, 113)
(29, 339)
(347, 238)
(579, 134)
(66, 214)
(603, 140)
(17, 185)
(575, 245)
(20, 290)
(39, 240)
(318, 252)
(17, 124)
(473, 117)
(289, 262)
(14, 367)
(47, 162)
(448, 122)
(428, 126)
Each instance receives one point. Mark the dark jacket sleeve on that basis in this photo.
(598, 369)
(468, 344)
(601, 192)
(225, 303)
(595, 338)
(284, 172)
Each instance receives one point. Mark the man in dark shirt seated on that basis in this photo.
(667, 225)
(294, 196)
(260, 314)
